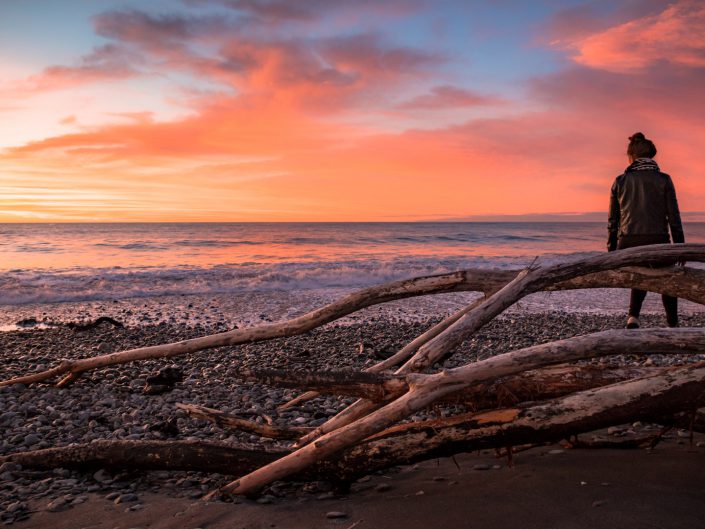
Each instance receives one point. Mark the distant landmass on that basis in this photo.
(591, 216)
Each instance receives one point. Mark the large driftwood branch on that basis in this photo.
(400, 356)
(650, 398)
(426, 389)
(593, 271)
(466, 280)
(679, 282)
(534, 385)
(200, 456)
(231, 422)
(539, 278)
(687, 284)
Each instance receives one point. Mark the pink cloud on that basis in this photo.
(109, 62)
(446, 96)
(280, 11)
(594, 16)
(160, 34)
(68, 120)
(676, 35)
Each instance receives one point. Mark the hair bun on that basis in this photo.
(637, 136)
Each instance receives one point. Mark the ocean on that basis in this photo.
(84, 263)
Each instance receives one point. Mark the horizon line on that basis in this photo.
(591, 217)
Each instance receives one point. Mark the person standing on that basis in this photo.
(643, 206)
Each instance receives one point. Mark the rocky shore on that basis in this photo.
(111, 403)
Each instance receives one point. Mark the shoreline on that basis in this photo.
(225, 311)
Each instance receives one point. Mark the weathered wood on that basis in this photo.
(533, 385)
(644, 399)
(688, 285)
(591, 272)
(540, 384)
(434, 284)
(371, 386)
(231, 422)
(199, 456)
(535, 279)
(426, 389)
(681, 282)
(401, 355)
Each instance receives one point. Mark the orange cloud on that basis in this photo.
(445, 96)
(293, 128)
(676, 35)
(104, 63)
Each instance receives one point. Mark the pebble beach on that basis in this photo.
(111, 403)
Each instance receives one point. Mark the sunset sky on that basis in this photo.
(341, 110)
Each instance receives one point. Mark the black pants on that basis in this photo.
(670, 304)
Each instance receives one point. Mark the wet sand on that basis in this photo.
(575, 489)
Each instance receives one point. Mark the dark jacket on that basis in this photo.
(643, 206)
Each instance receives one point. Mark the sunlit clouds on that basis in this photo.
(266, 110)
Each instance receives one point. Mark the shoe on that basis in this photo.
(632, 322)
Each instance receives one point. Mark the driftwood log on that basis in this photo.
(533, 385)
(426, 389)
(231, 422)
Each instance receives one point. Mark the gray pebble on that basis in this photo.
(31, 439)
(9, 466)
(7, 476)
(125, 498)
(16, 506)
(102, 476)
(336, 515)
(57, 505)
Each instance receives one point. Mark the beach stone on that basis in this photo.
(102, 476)
(482, 466)
(7, 417)
(125, 498)
(31, 439)
(556, 451)
(7, 476)
(57, 505)
(16, 506)
(383, 487)
(683, 434)
(336, 515)
(9, 466)
(326, 496)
